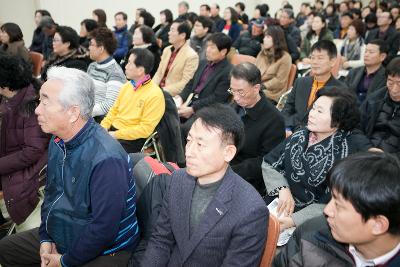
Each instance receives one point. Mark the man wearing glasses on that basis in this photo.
(380, 113)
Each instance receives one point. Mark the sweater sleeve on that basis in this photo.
(112, 89)
(112, 113)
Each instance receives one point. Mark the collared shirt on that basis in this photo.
(379, 261)
(316, 86)
(362, 88)
(170, 61)
(208, 71)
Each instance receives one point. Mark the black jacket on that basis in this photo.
(246, 44)
(264, 129)
(163, 35)
(391, 37)
(296, 107)
(294, 32)
(215, 89)
(37, 41)
(292, 47)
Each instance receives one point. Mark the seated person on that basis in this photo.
(295, 171)
(85, 34)
(66, 51)
(352, 49)
(361, 226)
(288, 24)
(274, 63)
(88, 213)
(123, 36)
(202, 30)
(301, 98)
(210, 215)
(178, 61)
(380, 113)
(140, 104)
(345, 21)
(264, 126)
(107, 75)
(371, 77)
(210, 82)
(249, 43)
(12, 42)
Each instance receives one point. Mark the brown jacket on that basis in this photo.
(274, 76)
(181, 71)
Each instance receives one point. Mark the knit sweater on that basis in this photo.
(136, 112)
(108, 79)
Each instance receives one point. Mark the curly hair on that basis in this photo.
(15, 73)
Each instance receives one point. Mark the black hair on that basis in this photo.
(183, 27)
(123, 14)
(278, 38)
(345, 114)
(43, 12)
(263, 8)
(143, 58)
(234, 15)
(186, 4)
(247, 71)
(148, 18)
(221, 40)
(147, 34)
(327, 46)
(224, 118)
(90, 24)
(68, 35)
(371, 183)
(241, 5)
(101, 17)
(289, 12)
(356, 11)
(311, 32)
(208, 8)
(383, 46)
(192, 17)
(347, 14)
(288, 6)
(13, 31)
(206, 22)
(106, 38)
(393, 68)
(168, 15)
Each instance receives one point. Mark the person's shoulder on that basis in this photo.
(245, 194)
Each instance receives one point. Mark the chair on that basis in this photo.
(282, 100)
(292, 76)
(152, 147)
(270, 243)
(37, 60)
(237, 59)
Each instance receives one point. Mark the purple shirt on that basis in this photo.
(209, 70)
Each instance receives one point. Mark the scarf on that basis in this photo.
(352, 51)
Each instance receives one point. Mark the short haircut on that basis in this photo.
(224, 118)
(183, 27)
(279, 40)
(43, 12)
(78, 89)
(393, 68)
(208, 8)
(168, 15)
(143, 58)
(383, 46)
(106, 38)
(192, 17)
(148, 18)
(147, 34)
(325, 45)
(90, 24)
(101, 17)
(247, 71)
(371, 183)
(216, 6)
(347, 14)
(241, 5)
(345, 114)
(47, 22)
(68, 35)
(358, 26)
(289, 12)
(221, 40)
(206, 22)
(356, 11)
(371, 18)
(263, 8)
(184, 3)
(13, 31)
(123, 14)
(15, 73)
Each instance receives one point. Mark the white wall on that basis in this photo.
(72, 12)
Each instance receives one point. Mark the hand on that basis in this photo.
(375, 149)
(285, 203)
(178, 100)
(46, 248)
(185, 112)
(112, 134)
(288, 133)
(53, 260)
(306, 61)
(286, 222)
(343, 60)
(345, 65)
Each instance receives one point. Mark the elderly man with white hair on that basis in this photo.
(88, 214)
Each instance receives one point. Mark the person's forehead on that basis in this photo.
(51, 88)
(319, 52)
(372, 47)
(201, 130)
(239, 84)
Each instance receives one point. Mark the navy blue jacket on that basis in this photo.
(89, 206)
(124, 40)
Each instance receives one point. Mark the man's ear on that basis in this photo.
(229, 152)
(380, 225)
(383, 56)
(73, 112)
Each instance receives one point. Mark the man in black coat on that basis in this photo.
(302, 96)
(371, 77)
(249, 43)
(263, 124)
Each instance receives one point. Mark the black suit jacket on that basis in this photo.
(392, 38)
(215, 89)
(296, 107)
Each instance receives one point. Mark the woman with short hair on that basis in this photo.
(12, 41)
(353, 47)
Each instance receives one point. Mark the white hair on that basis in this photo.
(78, 89)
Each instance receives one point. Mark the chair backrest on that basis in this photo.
(37, 60)
(292, 76)
(237, 59)
(270, 243)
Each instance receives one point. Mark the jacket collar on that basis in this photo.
(24, 93)
(78, 139)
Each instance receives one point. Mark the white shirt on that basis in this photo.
(361, 262)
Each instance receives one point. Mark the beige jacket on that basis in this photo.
(181, 71)
(274, 76)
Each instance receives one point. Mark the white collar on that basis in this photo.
(360, 261)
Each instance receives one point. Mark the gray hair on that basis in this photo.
(78, 89)
(289, 12)
(247, 71)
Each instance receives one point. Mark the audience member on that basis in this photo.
(210, 215)
(301, 98)
(263, 124)
(380, 113)
(138, 13)
(353, 47)
(38, 34)
(139, 106)
(231, 26)
(87, 26)
(124, 38)
(49, 28)
(100, 16)
(345, 20)
(274, 63)
(145, 18)
(161, 30)
(370, 24)
(286, 20)
(395, 11)
(183, 9)
(218, 21)
(305, 10)
(249, 42)
(295, 171)
(12, 41)
(367, 79)
(202, 30)
(331, 17)
(178, 61)
(66, 51)
(107, 75)
(191, 19)
(240, 8)
(23, 145)
(84, 220)
(361, 223)
(205, 10)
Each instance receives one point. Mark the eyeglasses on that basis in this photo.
(56, 40)
(391, 82)
(238, 92)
